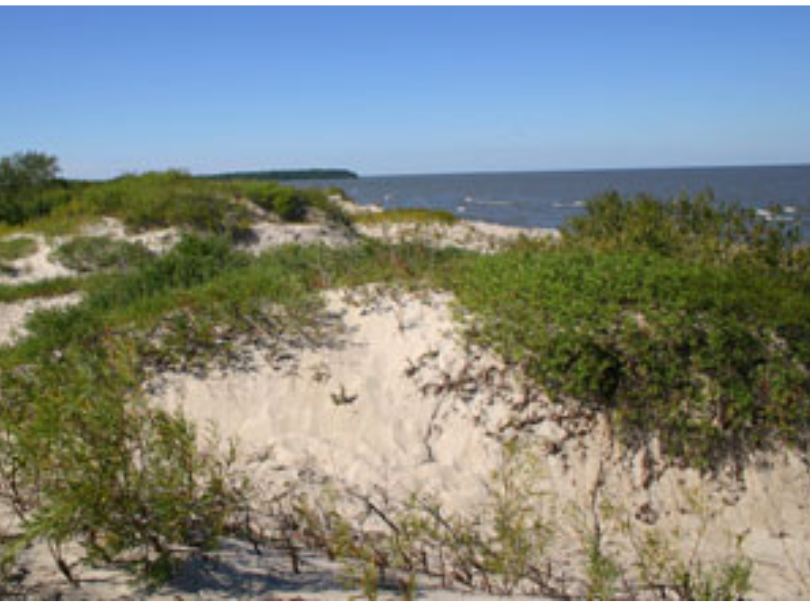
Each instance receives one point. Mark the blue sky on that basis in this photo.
(405, 90)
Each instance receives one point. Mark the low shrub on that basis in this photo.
(193, 261)
(711, 359)
(292, 204)
(82, 459)
(697, 227)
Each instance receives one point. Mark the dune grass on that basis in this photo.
(16, 248)
(414, 216)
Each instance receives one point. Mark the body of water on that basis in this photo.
(546, 199)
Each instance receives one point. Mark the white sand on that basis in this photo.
(374, 414)
(472, 235)
(157, 241)
(37, 266)
(351, 411)
(268, 235)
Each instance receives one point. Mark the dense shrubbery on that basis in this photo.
(683, 320)
(697, 227)
(709, 358)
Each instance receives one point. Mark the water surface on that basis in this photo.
(546, 199)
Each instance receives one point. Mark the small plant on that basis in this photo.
(82, 459)
(343, 398)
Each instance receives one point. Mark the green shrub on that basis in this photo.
(290, 205)
(83, 460)
(689, 227)
(709, 358)
(95, 253)
(193, 261)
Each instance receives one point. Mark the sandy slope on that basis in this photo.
(399, 405)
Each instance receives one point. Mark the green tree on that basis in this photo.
(26, 180)
(27, 171)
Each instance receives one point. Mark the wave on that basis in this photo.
(500, 203)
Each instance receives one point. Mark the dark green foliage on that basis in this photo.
(291, 175)
(290, 205)
(96, 253)
(27, 171)
(29, 187)
(708, 358)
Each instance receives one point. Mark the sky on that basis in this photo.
(398, 90)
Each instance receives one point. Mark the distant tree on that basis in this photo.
(27, 171)
(26, 191)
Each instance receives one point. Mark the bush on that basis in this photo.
(82, 459)
(95, 253)
(290, 205)
(712, 359)
(29, 187)
(195, 260)
(687, 227)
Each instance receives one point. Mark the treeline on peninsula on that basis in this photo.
(284, 175)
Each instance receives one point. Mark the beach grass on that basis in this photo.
(411, 216)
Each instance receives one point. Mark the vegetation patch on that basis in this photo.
(100, 253)
(707, 351)
(52, 287)
(416, 216)
(17, 248)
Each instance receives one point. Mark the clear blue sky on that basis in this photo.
(402, 90)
